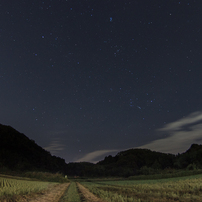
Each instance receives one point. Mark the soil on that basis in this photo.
(52, 194)
(88, 195)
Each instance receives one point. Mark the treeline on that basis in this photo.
(19, 153)
(139, 162)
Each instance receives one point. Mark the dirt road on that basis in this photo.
(55, 192)
(88, 195)
(52, 194)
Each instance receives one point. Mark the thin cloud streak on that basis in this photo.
(179, 139)
(55, 146)
(90, 157)
(177, 125)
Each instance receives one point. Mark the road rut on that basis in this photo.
(88, 195)
(52, 194)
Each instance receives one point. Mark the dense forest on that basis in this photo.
(19, 153)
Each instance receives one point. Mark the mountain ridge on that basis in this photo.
(18, 152)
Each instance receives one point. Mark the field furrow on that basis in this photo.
(51, 195)
(88, 195)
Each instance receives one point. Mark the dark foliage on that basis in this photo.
(131, 162)
(139, 162)
(19, 153)
(191, 159)
(80, 169)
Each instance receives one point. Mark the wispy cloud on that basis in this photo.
(177, 125)
(91, 157)
(180, 135)
(55, 146)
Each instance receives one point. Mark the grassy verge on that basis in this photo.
(35, 175)
(170, 174)
(72, 194)
(45, 176)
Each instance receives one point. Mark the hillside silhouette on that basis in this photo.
(19, 153)
(139, 162)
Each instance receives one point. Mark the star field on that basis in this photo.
(85, 76)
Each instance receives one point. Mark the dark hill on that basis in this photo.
(18, 152)
(137, 158)
(130, 162)
(190, 159)
(137, 162)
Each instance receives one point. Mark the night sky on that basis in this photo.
(90, 78)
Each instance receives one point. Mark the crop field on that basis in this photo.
(183, 189)
(163, 190)
(10, 187)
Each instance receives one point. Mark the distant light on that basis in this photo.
(110, 19)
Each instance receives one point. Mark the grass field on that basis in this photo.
(162, 190)
(11, 187)
(183, 189)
